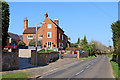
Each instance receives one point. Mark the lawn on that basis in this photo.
(12, 76)
(89, 57)
(43, 50)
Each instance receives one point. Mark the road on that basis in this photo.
(98, 67)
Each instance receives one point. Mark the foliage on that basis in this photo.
(78, 42)
(44, 45)
(15, 75)
(99, 46)
(73, 45)
(84, 44)
(54, 45)
(33, 43)
(21, 43)
(116, 36)
(5, 22)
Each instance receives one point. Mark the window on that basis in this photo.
(30, 36)
(40, 35)
(49, 44)
(62, 37)
(49, 26)
(59, 35)
(49, 35)
(59, 44)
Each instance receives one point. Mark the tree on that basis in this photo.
(84, 44)
(21, 43)
(33, 43)
(116, 36)
(78, 42)
(5, 22)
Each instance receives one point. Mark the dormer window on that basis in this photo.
(49, 26)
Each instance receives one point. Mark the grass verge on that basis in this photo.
(115, 69)
(11, 76)
(89, 57)
(43, 51)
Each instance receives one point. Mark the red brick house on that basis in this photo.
(50, 33)
(12, 40)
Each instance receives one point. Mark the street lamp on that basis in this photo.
(37, 39)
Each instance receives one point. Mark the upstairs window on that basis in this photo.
(49, 26)
(59, 35)
(49, 35)
(62, 37)
(40, 35)
(30, 36)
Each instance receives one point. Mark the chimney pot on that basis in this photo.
(56, 21)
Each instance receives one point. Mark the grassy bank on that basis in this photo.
(89, 57)
(14, 75)
(115, 68)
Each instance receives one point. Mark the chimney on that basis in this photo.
(56, 21)
(46, 15)
(25, 24)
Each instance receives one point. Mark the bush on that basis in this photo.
(21, 43)
(33, 43)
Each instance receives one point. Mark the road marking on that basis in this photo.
(88, 66)
(79, 72)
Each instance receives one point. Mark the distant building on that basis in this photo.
(12, 40)
(50, 34)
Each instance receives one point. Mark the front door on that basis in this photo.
(49, 44)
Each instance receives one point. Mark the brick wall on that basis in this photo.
(10, 60)
(43, 58)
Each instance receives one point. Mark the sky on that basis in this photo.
(77, 19)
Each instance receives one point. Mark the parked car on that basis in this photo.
(75, 51)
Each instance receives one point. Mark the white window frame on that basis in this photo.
(49, 26)
(59, 35)
(30, 35)
(50, 34)
(62, 37)
(40, 37)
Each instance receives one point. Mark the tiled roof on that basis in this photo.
(21, 37)
(13, 36)
(30, 30)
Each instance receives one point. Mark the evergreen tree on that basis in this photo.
(84, 43)
(78, 42)
(5, 21)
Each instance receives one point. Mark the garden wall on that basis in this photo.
(10, 60)
(43, 58)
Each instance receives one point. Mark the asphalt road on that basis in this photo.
(98, 67)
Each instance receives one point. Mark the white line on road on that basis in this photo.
(79, 72)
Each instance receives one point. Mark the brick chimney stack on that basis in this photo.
(25, 24)
(46, 15)
(56, 21)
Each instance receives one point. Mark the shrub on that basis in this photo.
(33, 43)
(21, 43)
